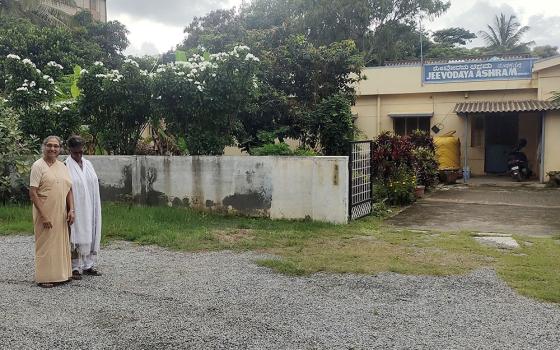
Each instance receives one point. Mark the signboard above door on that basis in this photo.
(478, 71)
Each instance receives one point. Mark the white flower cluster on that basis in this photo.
(28, 62)
(22, 88)
(133, 62)
(239, 50)
(222, 56)
(43, 91)
(251, 57)
(98, 63)
(113, 75)
(63, 105)
(49, 79)
(12, 56)
(84, 71)
(55, 65)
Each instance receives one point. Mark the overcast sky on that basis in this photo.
(157, 26)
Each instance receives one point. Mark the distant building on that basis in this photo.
(98, 8)
(490, 104)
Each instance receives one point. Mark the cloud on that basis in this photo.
(168, 12)
(147, 48)
(544, 30)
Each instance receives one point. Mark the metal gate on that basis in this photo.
(360, 201)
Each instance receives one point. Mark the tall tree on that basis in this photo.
(544, 51)
(450, 43)
(45, 12)
(268, 24)
(453, 36)
(505, 36)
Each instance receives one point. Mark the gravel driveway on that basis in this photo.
(151, 298)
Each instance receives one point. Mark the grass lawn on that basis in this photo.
(364, 246)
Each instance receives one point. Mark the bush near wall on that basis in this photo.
(400, 164)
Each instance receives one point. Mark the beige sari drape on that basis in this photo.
(52, 246)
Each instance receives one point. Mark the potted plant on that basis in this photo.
(554, 178)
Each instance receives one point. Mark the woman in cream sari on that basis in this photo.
(53, 210)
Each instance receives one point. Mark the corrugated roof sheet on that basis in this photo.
(505, 106)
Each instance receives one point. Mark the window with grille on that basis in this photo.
(406, 125)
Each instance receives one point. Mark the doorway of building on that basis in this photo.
(502, 134)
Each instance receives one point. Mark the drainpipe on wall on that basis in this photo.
(378, 114)
(541, 172)
(466, 170)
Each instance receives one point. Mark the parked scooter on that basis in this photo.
(518, 164)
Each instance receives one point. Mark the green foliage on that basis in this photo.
(402, 162)
(545, 51)
(553, 178)
(116, 104)
(425, 166)
(398, 188)
(61, 119)
(453, 36)
(31, 92)
(272, 149)
(66, 88)
(297, 77)
(202, 99)
(15, 150)
(87, 42)
(266, 24)
(332, 124)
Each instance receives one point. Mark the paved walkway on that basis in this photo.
(516, 210)
(152, 298)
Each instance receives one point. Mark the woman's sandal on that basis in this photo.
(46, 285)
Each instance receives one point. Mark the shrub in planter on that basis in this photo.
(398, 188)
(425, 166)
(389, 153)
(554, 178)
(422, 139)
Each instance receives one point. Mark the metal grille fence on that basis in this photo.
(360, 171)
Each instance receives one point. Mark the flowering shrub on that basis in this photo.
(15, 163)
(27, 86)
(116, 104)
(31, 93)
(201, 99)
(398, 188)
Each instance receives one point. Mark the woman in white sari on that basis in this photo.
(85, 233)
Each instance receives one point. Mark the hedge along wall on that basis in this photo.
(275, 187)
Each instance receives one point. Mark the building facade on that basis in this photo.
(490, 105)
(98, 8)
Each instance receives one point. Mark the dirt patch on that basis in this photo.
(234, 236)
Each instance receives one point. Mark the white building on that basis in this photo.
(98, 8)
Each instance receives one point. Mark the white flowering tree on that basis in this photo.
(200, 100)
(116, 104)
(31, 93)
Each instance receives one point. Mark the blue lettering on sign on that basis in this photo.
(473, 71)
